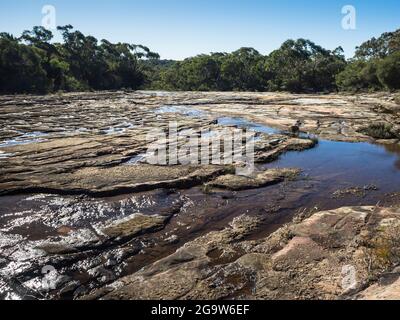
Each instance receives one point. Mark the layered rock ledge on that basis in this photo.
(77, 195)
(345, 253)
(48, 143)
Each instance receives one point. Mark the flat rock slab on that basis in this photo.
(93, 143)
(257, 180)
(333, 254)
(135, 225)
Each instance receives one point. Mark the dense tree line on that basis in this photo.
(297, 66)
(33, 63)
(375, 66)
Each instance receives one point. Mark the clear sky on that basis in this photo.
(181, 28)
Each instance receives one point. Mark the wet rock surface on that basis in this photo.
(84, 216)
(90, 143)
(257, 180)
(84, 241)
(330, 255)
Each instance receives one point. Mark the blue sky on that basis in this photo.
(181, 28)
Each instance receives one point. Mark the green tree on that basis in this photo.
(301, 65)
(243, 70)
(388, 71)
(21, 68)
(375, 65)
(359, 75)
(198, 73)
(379, 48)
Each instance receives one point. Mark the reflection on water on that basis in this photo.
(121, 128)
(337, 165)
(344, 164)
(394, 149)
(136, 160)
(24, 138)
(245, 124)
(190, 112)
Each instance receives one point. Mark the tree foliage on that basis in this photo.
(297, 66)
(33, 64)
(303, 66)
(379, 48)
(388, 71)
(376, 65)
